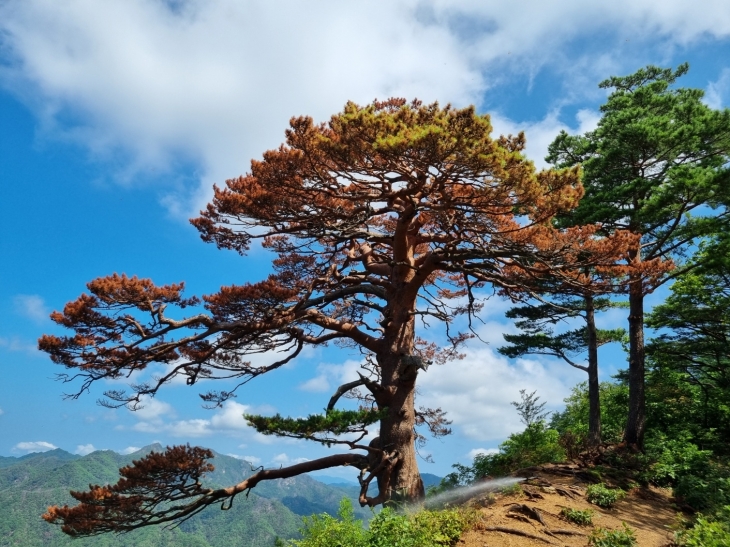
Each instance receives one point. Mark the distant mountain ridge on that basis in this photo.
(427, 478)
(29, 484)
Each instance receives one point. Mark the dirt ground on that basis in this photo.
(648, 511)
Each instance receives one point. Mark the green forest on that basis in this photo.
(29, 484)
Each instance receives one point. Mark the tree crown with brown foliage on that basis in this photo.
(389, 213)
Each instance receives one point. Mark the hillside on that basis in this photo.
(530, 515)
(31, 483)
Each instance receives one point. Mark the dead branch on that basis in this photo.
(142, 496)
(344, 388)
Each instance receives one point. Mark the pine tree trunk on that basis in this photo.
(634, 434)
(594, 401)
(399, 368)
(403, 481)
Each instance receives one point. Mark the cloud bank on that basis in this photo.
(34, 446)
(213, 83)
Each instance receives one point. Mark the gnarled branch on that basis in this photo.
(166, 488)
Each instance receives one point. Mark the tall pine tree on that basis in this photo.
(655, 165)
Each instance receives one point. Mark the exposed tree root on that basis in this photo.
(518, 533)
(565, 492)
(517, 516)
(528, 511)
(566, 532)
(531, 493)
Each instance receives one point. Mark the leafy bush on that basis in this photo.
(536, 445)
(572, 423)
(705, 486)
(600, 537)
(599, 495)
(582, 518)
(668, 459)
(422, 529)
(326, 531)
(387, 529)
(706, 534)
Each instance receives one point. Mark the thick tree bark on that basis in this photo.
(399, 368)
(634, 434)
(403, 480)
(594, 401)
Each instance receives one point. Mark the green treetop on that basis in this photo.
(656, 165)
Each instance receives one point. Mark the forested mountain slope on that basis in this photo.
(29, 484)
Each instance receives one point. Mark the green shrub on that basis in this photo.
(422, 529)
(582, 518)
(706, 534)
(387, 529)
(705, 487)
(667, 460)
(600, 537)
(326, 531)
(536, 445)
(709, 530)
(599, 495)
(700, 480)
(572, 423)
(445, 527)
(511, 490)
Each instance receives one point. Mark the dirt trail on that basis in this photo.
(648, 511)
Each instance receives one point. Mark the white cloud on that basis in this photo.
(331, 375)
(217, 80)
(253, 460)
(17, 344)
(230, 417)
(34, 446)
(284, 459)
(153, 410)
(227, 421)
(318, 384)
(612, 318)
(129, 450)
(476, 451)
(31, 306)
(2, 412)
(476, 392)
(542, 132)
(84, 449)
(718, 92)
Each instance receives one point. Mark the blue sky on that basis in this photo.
(117, 117)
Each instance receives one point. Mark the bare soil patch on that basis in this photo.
(532, 516)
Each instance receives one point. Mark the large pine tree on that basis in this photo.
(387, 214)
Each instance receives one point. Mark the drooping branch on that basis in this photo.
(166, 488)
